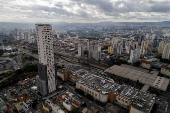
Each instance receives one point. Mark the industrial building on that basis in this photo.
(144, 76)
(104, 89)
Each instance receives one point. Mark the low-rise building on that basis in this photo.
(104, 89)
(73, 78)
(165, 70)
(64, 74)
(146, 64)
(19, 107)
(47, 108)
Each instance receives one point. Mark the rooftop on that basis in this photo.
(144, 76)
(139, 99)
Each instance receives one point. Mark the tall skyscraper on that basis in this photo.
(47, 81)
(80, 50)
(134, 56)
(97, 52)
(166, 51)
(111, 49)
(161, 47)
(146, 47)
(119, 48)
(89, 48)
(26, 36)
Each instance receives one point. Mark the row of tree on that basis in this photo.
(21, 74)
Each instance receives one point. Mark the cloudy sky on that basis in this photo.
(84, 10)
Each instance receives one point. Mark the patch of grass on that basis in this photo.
(25, 57)
(56, 60)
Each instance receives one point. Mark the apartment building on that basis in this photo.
(47, 81)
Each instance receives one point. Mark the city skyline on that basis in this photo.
(85, 11)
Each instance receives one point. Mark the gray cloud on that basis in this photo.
(102, 10)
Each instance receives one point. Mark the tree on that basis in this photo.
(137, 83)
(34, 104)
(74, 111)
(1, 52)
(84, 105)
(128, 81)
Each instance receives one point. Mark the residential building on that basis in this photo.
(97, 52)
(161, 47)
(134, 56)
(47, 69)
(119, 48)
(146, 48)
(131, 45)
(111, 49)
(31, 40)
(166, 51)
(80, 50)
(26, 36)
(89, 48)
(64, 74)
(114, 41)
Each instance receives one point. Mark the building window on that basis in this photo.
(95, 94)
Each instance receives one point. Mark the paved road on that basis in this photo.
(101, 110)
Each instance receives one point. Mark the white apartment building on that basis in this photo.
(146, 47)
(119, 48)
(89, 48)
(166, 51)
(97, 52)
(26, 36)
(161, 47)
(114, 41)
(46, 82)
(80, 50)
(134, 56)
